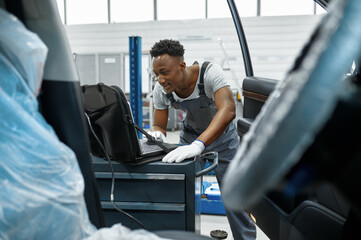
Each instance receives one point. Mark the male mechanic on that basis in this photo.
(204, 95)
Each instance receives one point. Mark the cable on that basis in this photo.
(113, 179)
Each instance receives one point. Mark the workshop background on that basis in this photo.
(99, 39)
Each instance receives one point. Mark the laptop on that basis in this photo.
(149, 147)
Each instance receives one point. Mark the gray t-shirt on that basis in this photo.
(213, 80)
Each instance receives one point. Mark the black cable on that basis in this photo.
(113, 179)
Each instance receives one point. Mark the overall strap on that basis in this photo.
(200, 84)
(170, 97)
(201, 81)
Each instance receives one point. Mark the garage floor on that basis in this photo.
(213, 222)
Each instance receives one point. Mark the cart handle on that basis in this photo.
(214, 156)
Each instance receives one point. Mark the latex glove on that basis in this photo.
(158, 135)
(183, 152)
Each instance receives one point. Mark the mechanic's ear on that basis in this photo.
(182, 65)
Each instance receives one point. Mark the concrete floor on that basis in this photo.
(217, 222)
(213, 222)
(220, 222)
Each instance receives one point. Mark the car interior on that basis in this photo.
(324, 206)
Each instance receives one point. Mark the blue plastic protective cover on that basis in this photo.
(41, 186)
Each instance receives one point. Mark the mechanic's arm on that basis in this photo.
(160, 121)
(226, 113)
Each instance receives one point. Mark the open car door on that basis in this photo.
(271, 176)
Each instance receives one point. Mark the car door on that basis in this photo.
(313, 214)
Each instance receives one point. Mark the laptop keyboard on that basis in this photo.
(148, 148)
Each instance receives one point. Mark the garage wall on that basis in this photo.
(274, 42)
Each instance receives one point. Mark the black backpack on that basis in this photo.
(110, 117)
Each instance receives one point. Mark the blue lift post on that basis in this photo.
(135, 78)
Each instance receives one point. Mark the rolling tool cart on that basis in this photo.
(161, 196)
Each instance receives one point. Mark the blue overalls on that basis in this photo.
(199, 114)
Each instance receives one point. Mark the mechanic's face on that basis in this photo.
(169, 71)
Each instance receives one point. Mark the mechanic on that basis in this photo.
(210, 111)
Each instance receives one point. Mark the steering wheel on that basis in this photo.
(298, 108)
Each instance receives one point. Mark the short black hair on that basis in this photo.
(167, 46)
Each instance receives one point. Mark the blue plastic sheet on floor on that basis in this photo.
(211, 201)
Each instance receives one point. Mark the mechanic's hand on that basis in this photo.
(158, 135)
(183, 152)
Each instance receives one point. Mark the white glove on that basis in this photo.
(158, 135)
(183, 152)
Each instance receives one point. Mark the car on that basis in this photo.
(293, 169)
(300, 216)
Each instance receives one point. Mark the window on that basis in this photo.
(87, 11)
(61, 9)
(96, 11)
(218, 9)
(131, 11)
(246, 8)
(286, 7)
(184, 9)
(319, 9)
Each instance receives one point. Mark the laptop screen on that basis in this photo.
(166, 147)
(138, 143)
